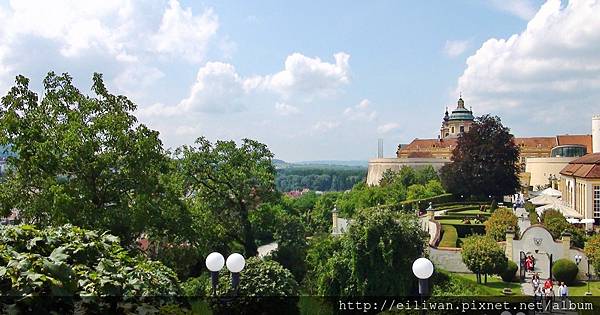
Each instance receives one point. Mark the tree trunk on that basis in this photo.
(485, 278)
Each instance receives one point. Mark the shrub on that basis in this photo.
(264, 281)
(196, 286)
(449, 236)
(500, 221)
(533, 217)
(483, 256)
(71, 261)
(509, 273)
(494, 205)
(565, 270)
(592, 251)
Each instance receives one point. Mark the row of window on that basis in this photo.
(596, 201)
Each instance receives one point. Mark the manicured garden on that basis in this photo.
(460, 220)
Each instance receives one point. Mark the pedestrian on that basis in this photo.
(528, 264)
(548, 284)
(535, 282)
(563, 290)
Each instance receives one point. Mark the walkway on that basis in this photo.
(523, 221)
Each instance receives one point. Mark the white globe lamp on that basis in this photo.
(235, 263)
(422, 268)
(215, 262)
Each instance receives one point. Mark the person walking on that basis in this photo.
(563, 290)
(535, 282)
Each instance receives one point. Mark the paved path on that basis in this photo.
(523, 222)
(267, 249)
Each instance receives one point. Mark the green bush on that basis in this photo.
(565, 270)
(196, 287)
(422, 204)
(465, 230)
(71, 261)
(449, 236)
(533, 217)
(509, 273)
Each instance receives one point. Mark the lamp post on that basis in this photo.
(235, 264)
(588, 274)
(423, 269)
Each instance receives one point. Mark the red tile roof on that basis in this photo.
(587, 166)
(585, 140)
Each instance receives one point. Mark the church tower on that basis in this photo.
(457, 122)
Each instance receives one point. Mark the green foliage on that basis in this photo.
(499, 222)
(483, 256)
(533, 217)
(530, 207)
(509, 273)
(448, 284)
(422, 204)
(320, 179)
(484, 162)
(231, 181)
(555, 222)
(68, 261)
(291, 242)
(196, 287)
(319, 220)
(184, 259)
(262, 281)
(265, 220)
(449, 236)
(592, 251)
(320, 249)
(565, 270)
(375, 247)
(86, 161)
(494, 205)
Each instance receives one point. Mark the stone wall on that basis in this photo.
(378, 166)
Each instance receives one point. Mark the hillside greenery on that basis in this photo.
(319, 178)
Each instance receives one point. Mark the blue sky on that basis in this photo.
(318, 80)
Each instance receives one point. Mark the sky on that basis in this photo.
(318, 80)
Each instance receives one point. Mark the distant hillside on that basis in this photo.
(319, 175)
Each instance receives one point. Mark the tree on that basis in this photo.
(484, 162)
(499, 222)
(376, 247)
(232, 181)
(592, 251)
(68, 261)
(483, 256)
(86, 161)
(291, 245)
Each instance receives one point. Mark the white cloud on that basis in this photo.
(181, 33)
(122, 38)
(323, 126)
(387, 128)
(454, 48)
(284, 109)
(307, 77)
(219, 88)
(552, 65)
(361, 112)
(524, 9)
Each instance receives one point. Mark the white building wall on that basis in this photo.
(541, 168)
(596, 134)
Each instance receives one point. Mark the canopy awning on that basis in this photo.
(567, 211)
(587, 221)
(551, 192)
(543, 200)
(573, 220)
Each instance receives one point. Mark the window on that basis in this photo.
(462, 128)
(596, 201)
(452, 129)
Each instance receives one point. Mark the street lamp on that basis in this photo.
(215, 262)
(588, 274)
(423, 269)
(235, 264)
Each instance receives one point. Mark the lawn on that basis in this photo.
(579, 289)
(449, 236)
(494, 285)
(472, 212)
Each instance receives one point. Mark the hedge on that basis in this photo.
(508, 274)
(449, 236)
(462, 217)
(565, 270)
(460, 203)
(422, 204)
(465, 230)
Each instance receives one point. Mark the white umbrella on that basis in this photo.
(586, 221)
(551, 192)
(573, 220)
(543, 200)
(562, 208)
